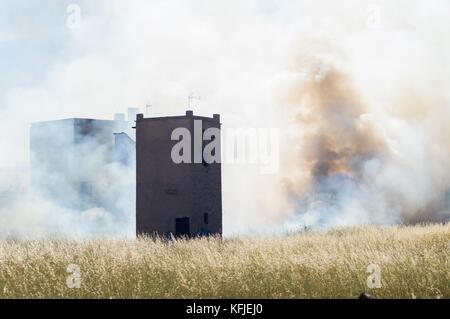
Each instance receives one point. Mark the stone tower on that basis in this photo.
(173, 197)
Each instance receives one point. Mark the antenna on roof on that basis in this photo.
(192, 97)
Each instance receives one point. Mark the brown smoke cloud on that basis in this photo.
(338, 139)
(345, 163)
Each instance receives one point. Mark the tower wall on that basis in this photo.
(168, 195)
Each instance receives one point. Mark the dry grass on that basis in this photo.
(414, 263)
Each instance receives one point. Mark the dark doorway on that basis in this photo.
(182, 227)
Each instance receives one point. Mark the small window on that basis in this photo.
(206, 218)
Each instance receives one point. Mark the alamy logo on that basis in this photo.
(73, 280)
(259, 146)
(74, 16)
(374, 279)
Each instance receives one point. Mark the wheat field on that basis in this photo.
(410, 261)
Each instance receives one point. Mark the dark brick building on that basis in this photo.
(183, 199)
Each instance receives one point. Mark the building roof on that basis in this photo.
(71, 119)
(189, 114)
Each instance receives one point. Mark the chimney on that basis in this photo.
(132, 112)
(190, 113)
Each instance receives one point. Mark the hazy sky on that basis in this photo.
(241, 57)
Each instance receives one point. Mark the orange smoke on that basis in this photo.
(341, 162)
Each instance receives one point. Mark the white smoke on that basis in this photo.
(249, 61)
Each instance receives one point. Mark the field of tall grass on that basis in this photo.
(411, 262)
